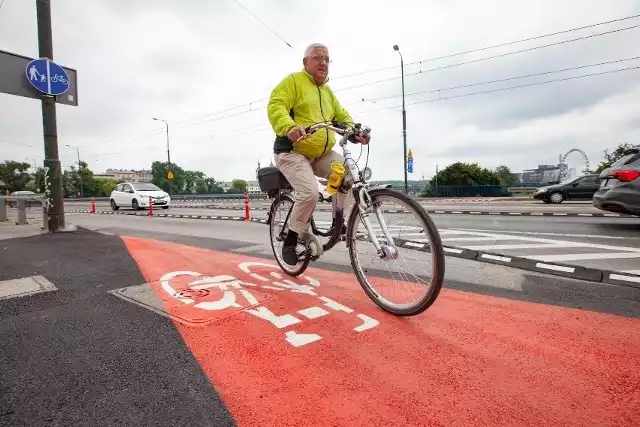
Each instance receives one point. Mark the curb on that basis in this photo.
(556, 269)
(145, 214)
(436, 211)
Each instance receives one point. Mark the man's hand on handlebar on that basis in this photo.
(297, 133)
(363, 139)
(358, 135)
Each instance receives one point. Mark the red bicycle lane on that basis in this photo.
(314, 350)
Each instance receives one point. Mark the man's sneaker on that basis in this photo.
(289, 254)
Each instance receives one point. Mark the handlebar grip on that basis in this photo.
(307, 129)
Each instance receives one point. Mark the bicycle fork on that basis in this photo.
(365, 204)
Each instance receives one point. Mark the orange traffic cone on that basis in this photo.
(247, 215)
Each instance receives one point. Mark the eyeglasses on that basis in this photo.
(319, 58)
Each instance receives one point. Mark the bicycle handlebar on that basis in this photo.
(357, 129)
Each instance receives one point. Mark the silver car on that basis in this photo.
(620, 185)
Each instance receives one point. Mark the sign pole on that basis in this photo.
(168, 157)
(53, 181)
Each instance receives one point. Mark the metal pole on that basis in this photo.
(168, 153)
(404, 122)
(53, 171)
(168, 150)
(80, 175)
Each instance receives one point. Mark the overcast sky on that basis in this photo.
(184, 61)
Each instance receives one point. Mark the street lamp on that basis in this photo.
(168, 151)
(35, 168)
(79, 174)
(404, 120)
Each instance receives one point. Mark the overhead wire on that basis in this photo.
(466, 52)
(260, 21)
(249, 104)
(22, 144)
(239, 130)
(443, 57)
(124, 139)
(496, 80)
(447, 66)
(487, 58)
(505, 88)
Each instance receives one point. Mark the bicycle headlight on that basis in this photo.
(366, 174)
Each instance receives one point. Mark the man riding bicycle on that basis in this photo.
(302, 99)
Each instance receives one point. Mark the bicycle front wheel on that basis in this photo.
(401, 276)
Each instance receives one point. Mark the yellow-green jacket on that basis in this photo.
(298, 100)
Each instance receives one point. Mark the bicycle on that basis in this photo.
(368, 198)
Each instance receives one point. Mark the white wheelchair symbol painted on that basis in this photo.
(228, 285)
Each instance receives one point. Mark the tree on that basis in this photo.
(212, 186)
(611, 158)
(460, 173)
(15, 175)
(37, 185)
(190, 180)
(107, 186)
(505, 175)
(239, 184)
(160, 170)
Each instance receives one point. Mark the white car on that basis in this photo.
(323, 194)
(136, 195)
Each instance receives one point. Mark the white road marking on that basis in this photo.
(624, 278)
(313, 312)
(577, 257)
(632, 272)
(560, 242)
(468, 239)
(525, 246)
(535, 233)
(556, 267)
(495, 257)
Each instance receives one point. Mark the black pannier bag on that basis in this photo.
(271, 181)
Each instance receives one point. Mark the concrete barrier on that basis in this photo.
(3, 209)
(21, 205)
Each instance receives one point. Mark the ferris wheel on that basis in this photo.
(564, 171)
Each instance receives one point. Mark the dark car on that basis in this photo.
(581, 188)
(620, 185)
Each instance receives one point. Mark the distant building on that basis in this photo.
(543, 174)
(126, 175)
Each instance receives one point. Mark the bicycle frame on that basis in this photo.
(355, 183)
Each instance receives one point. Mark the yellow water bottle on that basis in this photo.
(335, 178)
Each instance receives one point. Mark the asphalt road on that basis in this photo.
(253, 238)
(497, 206)
(602, 243)
(500, 346)
(77, 356)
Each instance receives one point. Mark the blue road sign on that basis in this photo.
(410, 165)
(47, 76)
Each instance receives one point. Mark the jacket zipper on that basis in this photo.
(323, 119)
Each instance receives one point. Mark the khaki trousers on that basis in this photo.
(301, 174)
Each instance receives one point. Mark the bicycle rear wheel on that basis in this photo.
(423, 293)
(278, 229)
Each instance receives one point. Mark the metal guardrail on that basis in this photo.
(181, 197)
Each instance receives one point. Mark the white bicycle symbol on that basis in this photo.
(58, 78)
(228, 285)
